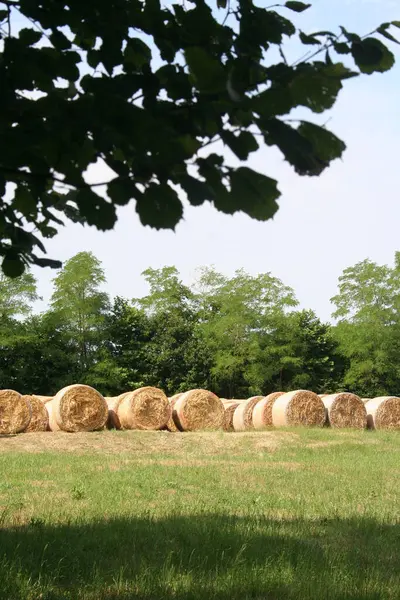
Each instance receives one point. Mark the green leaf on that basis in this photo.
(342, 48)
(351, 37)
(47, 262)
(298, 7)
(197, 191)
(121, 191)
(24, 201)
(325, 144)
(159, 207)
(136, 54)
(396, 24)
(206, 70)
(60, 40)
(372, 56)
(309, 39)
(3, 15)
(254, 193)
(222, 3)
(387, 35)
(29, 36)
(241, 145)
(12, 265)
(96, 210)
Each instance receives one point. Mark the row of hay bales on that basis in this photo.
(82, 408)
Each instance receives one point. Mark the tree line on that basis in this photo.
(238, 336)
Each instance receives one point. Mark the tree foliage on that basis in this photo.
(145, 88)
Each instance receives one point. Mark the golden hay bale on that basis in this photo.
(345, 410)
(383, 412)
(43, 399)
(39, 415)
(113, 403)
(77, 408)
(262, 412)
(197, 410)
(15, 412)
(229, 408)
(365, 400)
(171, 425)
(243, 415)
(322, 396)
(145, 408)
(300, 407)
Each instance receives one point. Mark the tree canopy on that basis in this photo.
(147, 89)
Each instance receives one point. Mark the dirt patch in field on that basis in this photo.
(141, 443)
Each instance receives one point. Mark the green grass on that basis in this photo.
(133, 515)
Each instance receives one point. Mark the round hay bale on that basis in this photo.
(15, 412)
(77, 408)
(145, 408)
(322, 396)
(383, 412)
(198, 410)
(171, 425)
(113, 403)
(43, 399)
(365, 400)
(262, 412)
(345, 410)
(229, 408)
(300, 407)
(39, 416)
(243, 415)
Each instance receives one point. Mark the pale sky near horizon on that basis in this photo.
(323, 225)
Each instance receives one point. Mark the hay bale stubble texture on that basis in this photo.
(15, 412)
(198, 410)
(229, 408)
(113, 403)
(383, 412)
(39, 416)
(146, 408)
(300, 407)
(262, 412)
(171, 425)
(345, 410)
(243, 415)
(77, 408)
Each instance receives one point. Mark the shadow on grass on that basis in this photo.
(202, 556)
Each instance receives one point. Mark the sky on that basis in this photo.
(324, 224)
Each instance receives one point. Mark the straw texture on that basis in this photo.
(229, 407)
(198, 410)
(15, 412)
(300, 407)
(77, 408)
(383, 412)
(345, 410)
(243, 415)
(145, 408)
(262, 412)
(39, 417)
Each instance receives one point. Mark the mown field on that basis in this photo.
(131, 515)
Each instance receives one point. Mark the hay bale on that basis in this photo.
(113, 403)
(15, 412)
(39, 415)
(77, 408)
(145, 408)
(300, 407)
(383, 412)
(262, 412)
(243, 415)
(171, 425)
(365, 400)
(345, 410)
(43, 399)
(198, 410)
(229, 408)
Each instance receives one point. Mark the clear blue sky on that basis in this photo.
(324, 224)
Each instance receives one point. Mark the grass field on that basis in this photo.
(132, 515)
